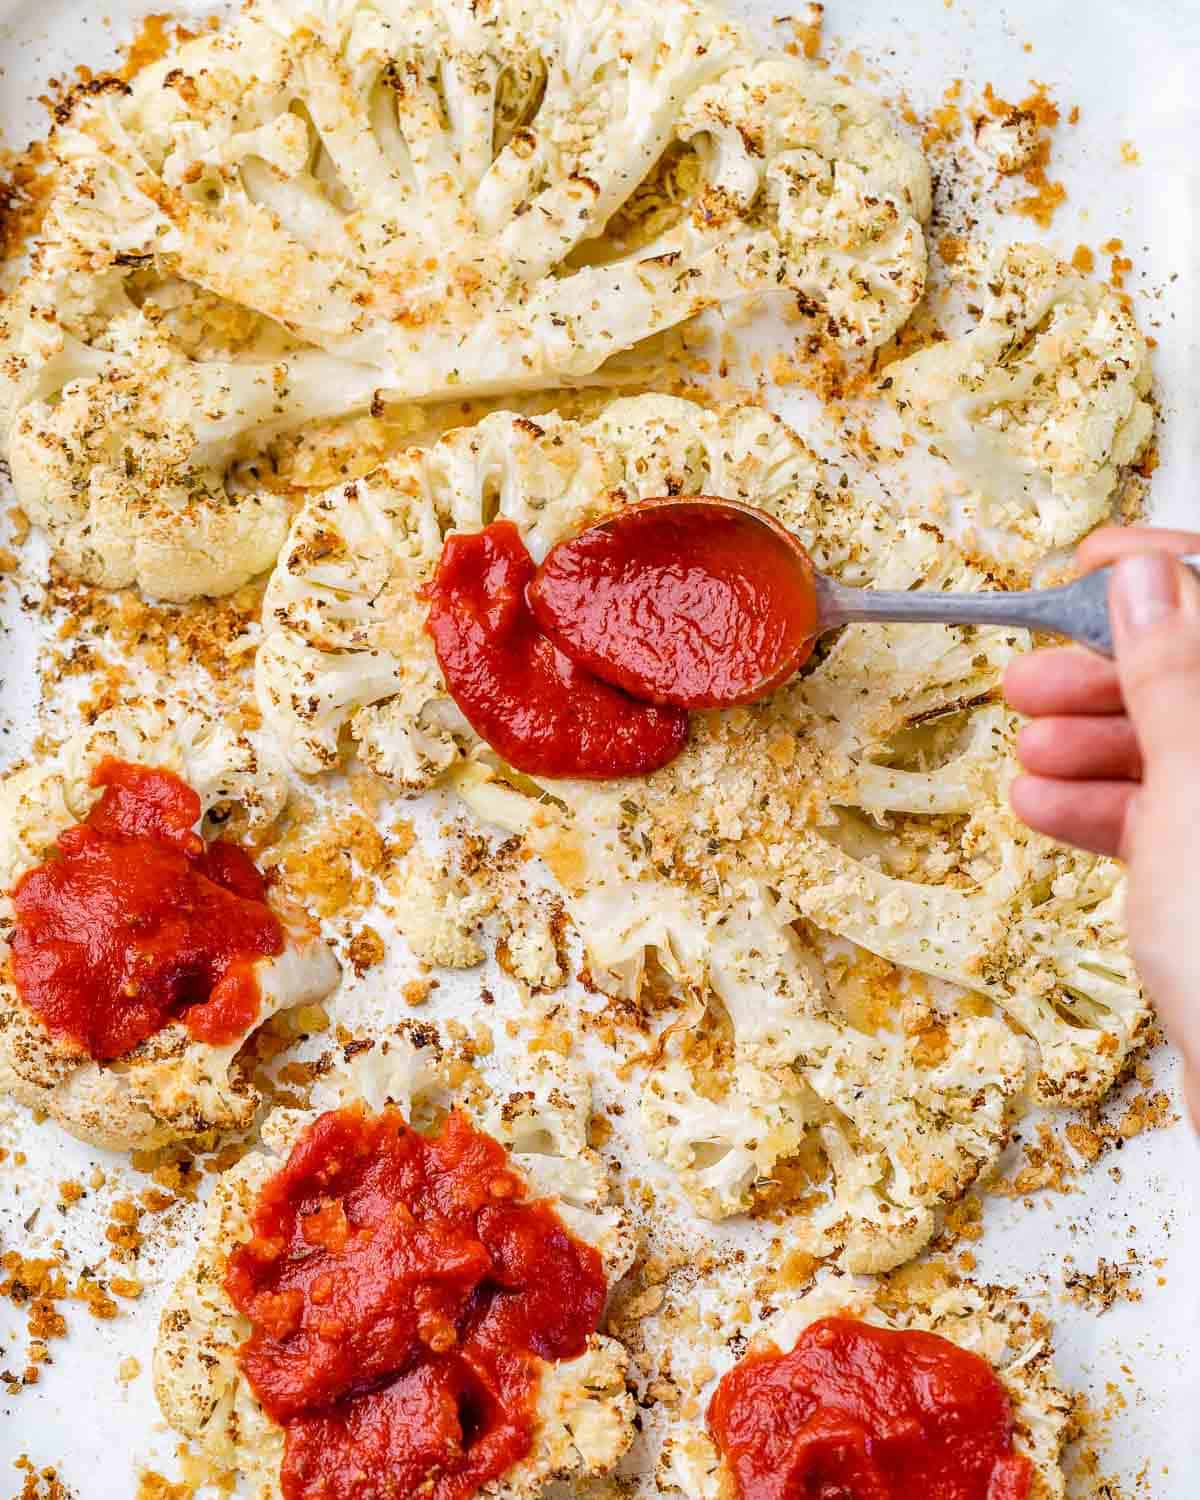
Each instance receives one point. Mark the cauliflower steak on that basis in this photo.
(987, 1321)
(584, 1417)
(1043, 405)
(172, 1084)
(314, 211)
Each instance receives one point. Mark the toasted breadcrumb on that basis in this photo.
(1111, 1282)
(40, 1484)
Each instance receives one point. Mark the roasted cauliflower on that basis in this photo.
(867, 798)
(585, 1415)
(1043, 405)
(317, 210)
(345, 642)
(171, 1085)
(985, 1320)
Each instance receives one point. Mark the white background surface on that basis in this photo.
(1134, 70)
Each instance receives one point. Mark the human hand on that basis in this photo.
(1112, 757)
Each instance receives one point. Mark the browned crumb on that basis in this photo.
(26, 183)
(156, 36)
(1036, 115)
(1090, 1435)
(1119, 268)
(793, 1271)
(37, 1284)
(1093, 1136)
(403, 837)
(1085, 1140)
(1150, 458)
(1083, 259)
(70, 1193)
(328, 863)
(152, 1486)
(365, 950)
(796, 1184)
(417, 991)
(1041, 204)
(917, 1283)
(1147, 1111)
(173, 1168)
(95, 1295)
(945, 121)
(599, 1132)
(122, 1231)
(40, 1484)
(963, 1221)
(808, 31)
(1109, 1283)
(552, 1038)
(1046, 1166)
(952, 248)
(109, 634)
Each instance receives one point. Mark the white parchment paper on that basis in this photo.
(1134, 71)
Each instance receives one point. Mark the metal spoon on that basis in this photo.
(1078, 610)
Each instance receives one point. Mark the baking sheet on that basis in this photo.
(1132, 70)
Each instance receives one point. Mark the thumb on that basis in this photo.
(1155, 605)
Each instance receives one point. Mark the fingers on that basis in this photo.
(1156, 629)
(1089, 814)
(1063, 680)
(1082, 748)
(1100, 728)
(1113, 542)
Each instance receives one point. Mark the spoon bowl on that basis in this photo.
(705, 602)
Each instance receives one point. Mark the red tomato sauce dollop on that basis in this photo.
(518, 690)
(696, 604)
(402, 1290)
(134, 922)
(866, 1413)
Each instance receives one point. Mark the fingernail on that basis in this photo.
(1145, 589)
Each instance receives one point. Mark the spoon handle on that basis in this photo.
(1079, 610)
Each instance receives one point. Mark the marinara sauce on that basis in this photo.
(134, 921)
(856, 1412)
(697, 603)
(402, 1291)
(544, 714)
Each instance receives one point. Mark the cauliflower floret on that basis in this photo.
(1009, 141)
(584, 1415)
(170, 1086)
(309, 213)
(449, 900)
(1042, 405)
(989, 1321)
(848, 195)
(438, 911)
